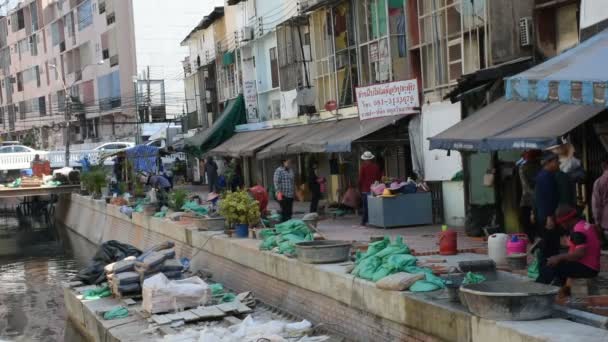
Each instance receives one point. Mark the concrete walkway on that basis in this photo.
(423, 239)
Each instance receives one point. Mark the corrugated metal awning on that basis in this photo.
(246, 144)
(519, 125)
(325, 137)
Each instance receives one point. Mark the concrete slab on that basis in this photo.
(208, 312)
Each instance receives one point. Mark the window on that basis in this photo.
(61, 101)
(452, 41)
(22, 110)
(56, 32)
(42, 105)
(274, 67)
(33, 42)
(20, 149)
(24, 47)
(17, 21)
(19, 81)
(85, 15)
(111, 18)
(109, 91)
(2, 116)
(34, 15)
(37, 72)
(290, 56)
(102, 7)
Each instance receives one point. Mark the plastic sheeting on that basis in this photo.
(109, 252)
(416, 145)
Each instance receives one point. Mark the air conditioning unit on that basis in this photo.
(525, 31)
(247, 33)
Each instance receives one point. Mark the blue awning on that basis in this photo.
(514, 125)
(577, 76)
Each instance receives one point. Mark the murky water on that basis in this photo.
(31, 296)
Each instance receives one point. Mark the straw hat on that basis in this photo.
(387, 193)
(367, 155)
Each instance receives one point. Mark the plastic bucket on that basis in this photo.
(241, 230)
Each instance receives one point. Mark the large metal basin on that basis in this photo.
(509, 300)
(323, 251)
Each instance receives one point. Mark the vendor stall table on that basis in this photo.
(401, 210)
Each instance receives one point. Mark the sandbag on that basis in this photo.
(173, 275)
(399, 281)
(381, 272)
(397, 247)
(430, 282)
(367, 268)
(375, 247)
(125, 278)
(399, 262)
(127, 264)
(129, 288)
(156, 248)
(163, 295)
(172, 265)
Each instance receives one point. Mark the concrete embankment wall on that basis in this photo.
(321, 293)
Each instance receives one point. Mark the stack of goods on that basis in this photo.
(126, 276)
(31, 182)
(285, 236)
(161, 294)
(384, 258)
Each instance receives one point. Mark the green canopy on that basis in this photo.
(223, 129)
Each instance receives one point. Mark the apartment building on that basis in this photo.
(106, 58)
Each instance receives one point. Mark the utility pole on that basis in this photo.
(137, 116)
(68, 116)
(149, 117)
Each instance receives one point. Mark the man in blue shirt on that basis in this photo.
(546, 200)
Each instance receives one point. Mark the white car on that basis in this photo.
(114, 146)
(17, 149)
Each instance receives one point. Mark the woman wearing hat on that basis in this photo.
(369, 172)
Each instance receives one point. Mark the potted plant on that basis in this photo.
(240, 210)
(177, 199)
(94, 180)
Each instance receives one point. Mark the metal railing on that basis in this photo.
(20, 161)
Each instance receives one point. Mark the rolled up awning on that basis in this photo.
(507, 125)
(222, 130)
(325, 137)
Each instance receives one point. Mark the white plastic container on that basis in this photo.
(497, 248)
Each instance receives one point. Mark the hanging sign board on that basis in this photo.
(388, 99)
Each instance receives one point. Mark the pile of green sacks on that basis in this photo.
(384, 258)
(285, 237)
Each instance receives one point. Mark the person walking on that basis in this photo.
(599, 204)
(369, 172)
(546, 200)
(314, 186)
(285, 188)
(211, 172)
(527, 176)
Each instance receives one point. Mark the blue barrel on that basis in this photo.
(241, 230)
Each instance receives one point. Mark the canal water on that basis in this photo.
(33, 265)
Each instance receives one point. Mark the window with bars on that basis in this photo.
(42, 105)
(452, 41)
(85, 15)
(274, 67)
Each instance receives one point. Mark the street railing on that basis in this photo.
(20, 161)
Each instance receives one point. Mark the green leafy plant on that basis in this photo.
(139, 190)
(94, 180)
(177, 199)
(123, 187)
(239, 208)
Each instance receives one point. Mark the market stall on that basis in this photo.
(399, 204)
